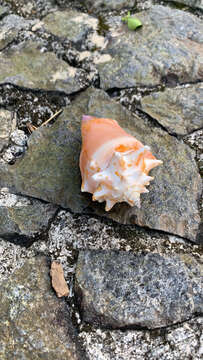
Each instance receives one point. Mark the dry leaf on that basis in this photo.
(58, 281)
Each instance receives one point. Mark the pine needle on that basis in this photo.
(52, 117)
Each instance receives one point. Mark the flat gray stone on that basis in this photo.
(168, 47)
(49, 170)
(3, 10)
(21, 217)
(179, 110)
(98, 5)
(53, 171)
(18, 137)
(192, 3)
(120, 289)
(27, 66)
(72, 25)
(34, 324)
(10, 26)
(7, 125)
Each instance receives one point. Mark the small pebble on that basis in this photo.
(18, 137)
(8, 156)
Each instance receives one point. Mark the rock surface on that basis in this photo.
(15, 145)
(10, 26)
(34, 323)
(167, 48)
(120, 289)
(27, 66)
(55, 178)
(7, 125)
(72, 25)
(22, 218)
(3, 10)
(78, 40)
(179, 342)
(69, 232)
(195, 140)
(179, 110)
(31, 8)
(52, 178)
(98, 5)
(192, 3)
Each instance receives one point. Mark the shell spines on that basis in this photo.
(116, 170)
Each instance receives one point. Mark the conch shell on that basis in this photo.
(113, 164)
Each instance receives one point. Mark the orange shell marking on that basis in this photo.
(114, 165)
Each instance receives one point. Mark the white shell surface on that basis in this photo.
(120, 179)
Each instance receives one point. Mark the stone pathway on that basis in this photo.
(29, 308)
(135, 270)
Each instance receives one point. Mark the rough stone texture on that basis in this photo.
(98, 5)
(51, 165)
(182, 342)
(34, 323)
(168, 47)
(73, 231)
(119, 289)
(31, 107)
(7, 125)
(18, 137)
(192, 3)
(82, 30)
(72, 25)
(88, 232)
(31, 8)
(195, 140)
(22, 217)
(12, 257)
(10, 27)
(29, 67)
(179, 110)
(15, 145)
(69, 232)
(3, 10)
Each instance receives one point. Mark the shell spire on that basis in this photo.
(114, 165)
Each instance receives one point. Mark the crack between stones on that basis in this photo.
(49, 48)
(25, 240)
(4, 15)
(141, 112)
(7, 46)
(36, 90)
(192, 132)
(147, 90)
(135, 327)
(147, 229)
(157, 124)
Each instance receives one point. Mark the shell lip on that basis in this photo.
(86, 117)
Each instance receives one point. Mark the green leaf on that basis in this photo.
(133, 23)
(125, 18)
